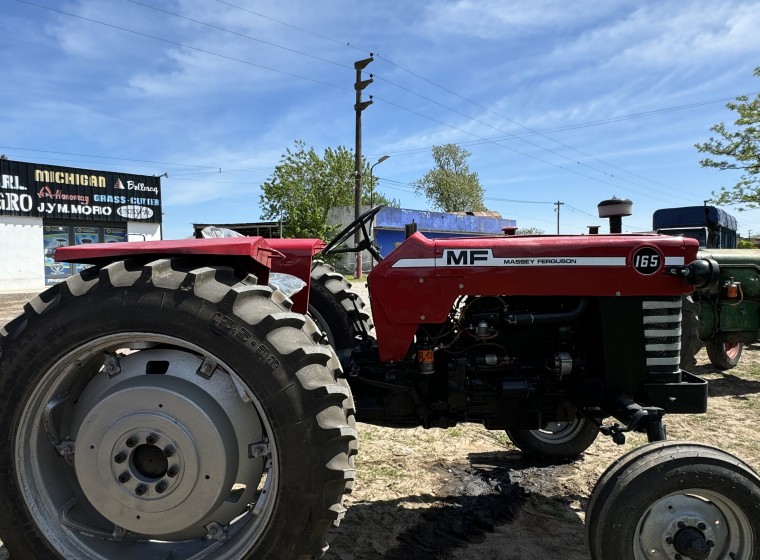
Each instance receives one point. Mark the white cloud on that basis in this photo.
(670, 34)
(497, 19)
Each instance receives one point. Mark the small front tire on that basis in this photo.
(336, 308)
(671, 499)
(557, 441)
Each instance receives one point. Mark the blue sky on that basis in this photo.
(557, 101)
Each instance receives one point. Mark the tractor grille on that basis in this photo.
(662, 334)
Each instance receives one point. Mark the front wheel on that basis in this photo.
(724, 355)
(675, 500)
(169, 411)
(557, 441)
(337, 310)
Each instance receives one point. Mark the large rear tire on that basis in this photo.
(169, 411)
(671, 499)
(724, 355)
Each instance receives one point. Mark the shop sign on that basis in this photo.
(48, 191)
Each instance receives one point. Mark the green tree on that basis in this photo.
(304, 187)
(737, 149)
(451, 186)
(530, 231)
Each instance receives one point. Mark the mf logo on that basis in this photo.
(466, 257)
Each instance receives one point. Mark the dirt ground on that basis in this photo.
(465, 493)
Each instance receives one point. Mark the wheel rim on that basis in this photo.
(732, 350)
(704, 518)
(559, 432)
(152, 448)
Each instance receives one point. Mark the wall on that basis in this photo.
(21, 237)
(388, 239)
(397, 218)
(139, 231)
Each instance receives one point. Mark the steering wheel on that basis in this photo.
(350, 230)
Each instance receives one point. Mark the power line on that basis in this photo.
(243, 35)
(205, 51)
(531, 156)
(383, 79)
(497, 199)
(212, 169)
(522, 139)
(105, 157)
(531, 130)
(325, 37)
(184, 45)
(509, 135)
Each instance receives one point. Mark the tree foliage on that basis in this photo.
(737, 149)
(530, 231)
(304, 187)
(451, 186)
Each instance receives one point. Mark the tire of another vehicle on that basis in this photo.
(558, 441)
(663, 497)
(218, 430)
(724, 355)
(691, 326)
(336, 309)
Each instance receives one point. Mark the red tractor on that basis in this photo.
(166, 403)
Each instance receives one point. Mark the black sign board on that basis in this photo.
(50, 191)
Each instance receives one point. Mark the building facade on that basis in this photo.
(43, 207)
(390, 225)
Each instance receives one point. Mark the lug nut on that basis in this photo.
(141, 489)
(173, 471)
(701, 526)
(131, 441)
(124, 477)
(161, 486)
(681, 525)
(169, 450)
(152, 439)
(120, 458)
(669, 540)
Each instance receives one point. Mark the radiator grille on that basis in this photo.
(662, 334)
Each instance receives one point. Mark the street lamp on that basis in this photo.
(372, 194)
(372, 181)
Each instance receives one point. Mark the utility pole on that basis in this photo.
(558, 204)
(359, 106)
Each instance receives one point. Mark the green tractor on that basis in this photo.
(714, 317)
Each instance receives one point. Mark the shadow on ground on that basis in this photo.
(475, 514)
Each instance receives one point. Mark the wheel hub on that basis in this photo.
(146, 463)
(683, 527)
(158, 454)
(150, 461)
(691, 542)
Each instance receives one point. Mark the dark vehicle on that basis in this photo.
(166, 403)
(712, 227)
